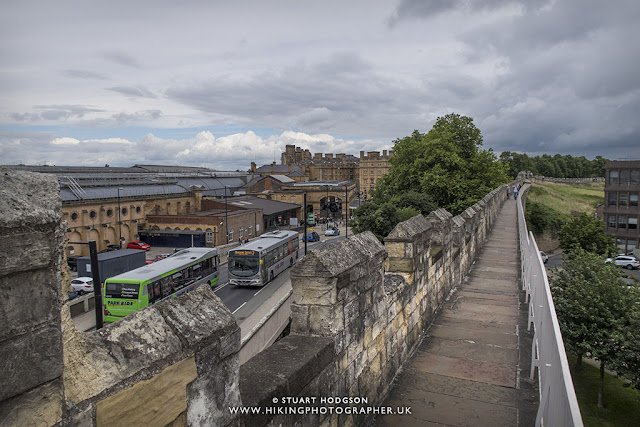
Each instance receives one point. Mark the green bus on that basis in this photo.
(178, 274)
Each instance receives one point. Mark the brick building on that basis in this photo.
(372, 167)
(621, 211)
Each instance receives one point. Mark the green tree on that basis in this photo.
(446, 163)
(586, 232)
(594, 309)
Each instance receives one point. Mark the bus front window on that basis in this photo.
(244, 266)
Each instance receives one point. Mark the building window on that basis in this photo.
(137, 209)
(613, 199)
(624, 177)
(622, 199)
(633, 223)
(611, 222)
(109, 212)
(250, 229)
(93, 214)
(622, 222)
(633, 200)
(613, 177)
(635, 177)
(241, 233)
(209, 235)
(231, 235)
(74, 216)
(125, 211)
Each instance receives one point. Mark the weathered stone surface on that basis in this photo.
(31, 339)
(157, 401)
(284, 369)
(30, 359)
(41, 406)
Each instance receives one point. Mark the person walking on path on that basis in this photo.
(515, 192)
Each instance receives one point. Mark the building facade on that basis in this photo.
(373, 166)
(621, 211)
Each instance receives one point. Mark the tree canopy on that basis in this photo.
(597, 312)
(586, 232)
(447, 164)
(556, 166)
(445, 167)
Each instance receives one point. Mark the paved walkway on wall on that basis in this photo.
(466, 371)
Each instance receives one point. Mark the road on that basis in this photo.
(555, 261)
(242, 301)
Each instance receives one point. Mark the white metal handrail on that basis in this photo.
(558, 402)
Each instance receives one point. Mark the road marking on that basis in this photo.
(263, 287)
(220, 287)
(234, 311)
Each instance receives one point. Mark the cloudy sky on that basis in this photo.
(221, 84)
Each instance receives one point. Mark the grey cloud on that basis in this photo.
(83, 74)
(137, 92)
(55, 112)
(122, 58)
(122, 118)
(327, 96)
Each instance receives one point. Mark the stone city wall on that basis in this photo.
(359, 310)
(571, 181)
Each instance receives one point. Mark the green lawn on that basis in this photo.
(565, 198)
(622, 404)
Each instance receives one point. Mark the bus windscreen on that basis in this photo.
(244, 266)
(121, 290)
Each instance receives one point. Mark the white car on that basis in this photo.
(627, 261)
(544, 257)
(332, 231)
(83, 285)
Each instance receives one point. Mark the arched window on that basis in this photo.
(74, 216)
(109, 212)
(93, 214)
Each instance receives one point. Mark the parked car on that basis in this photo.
(72, 262)
(544, 257)
(73, 294)
(311, 236)
(626, 261)
(110, 248)
(332, 231)
(83, 285)
(137, 244)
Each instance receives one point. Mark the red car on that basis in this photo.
(138, 245)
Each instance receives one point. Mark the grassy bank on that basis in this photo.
(550, 205)
(563, 198)
(622, 404)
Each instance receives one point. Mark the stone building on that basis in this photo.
(621, 212)
(294, 155)
(301, 166)
(111, 204)
(372, 167)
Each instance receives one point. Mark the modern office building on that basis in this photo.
(621, 212)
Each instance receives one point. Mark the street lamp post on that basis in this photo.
(119, 222)
(346, 207)
(226, 215)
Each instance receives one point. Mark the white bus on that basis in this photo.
(258, 262)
